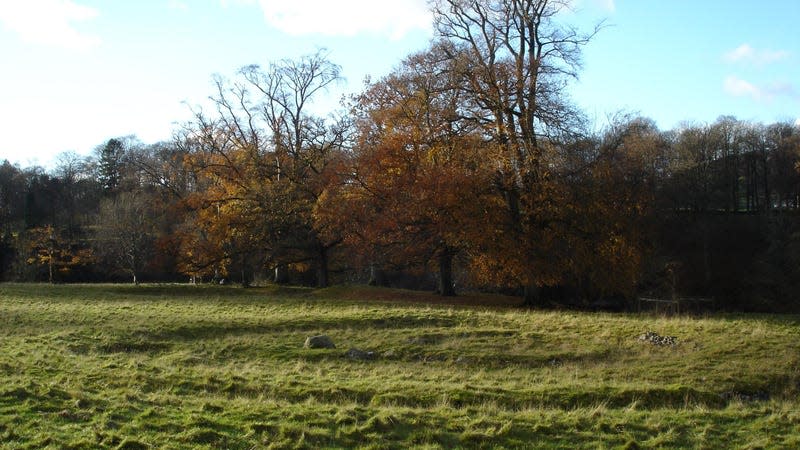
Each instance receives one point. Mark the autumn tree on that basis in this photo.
(415, 176)
(266, 160)
(613, 208)
(51, 249)
(514, 59)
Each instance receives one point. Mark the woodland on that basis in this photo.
(466, 168)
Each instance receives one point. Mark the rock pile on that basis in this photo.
(656, 339)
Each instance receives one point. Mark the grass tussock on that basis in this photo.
(220, 367)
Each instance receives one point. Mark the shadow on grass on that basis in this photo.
(305, 325)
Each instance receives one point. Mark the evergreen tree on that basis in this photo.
(109, 165)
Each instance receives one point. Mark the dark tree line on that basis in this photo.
(466, 167)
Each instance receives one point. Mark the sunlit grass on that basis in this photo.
(220, 367)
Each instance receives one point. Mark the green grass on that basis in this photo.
(223, 367)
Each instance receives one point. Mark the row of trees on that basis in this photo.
(466, 166)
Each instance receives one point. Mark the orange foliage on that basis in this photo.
(49, 248)
(414, 186)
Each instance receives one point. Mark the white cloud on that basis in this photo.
(741, 88)
(747, 54)
(797, 122)
(345, 17)
(49, 22)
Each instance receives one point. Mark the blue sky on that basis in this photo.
(694, 60)
(77, 72)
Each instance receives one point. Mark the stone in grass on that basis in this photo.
(320, 341)
(360, 355)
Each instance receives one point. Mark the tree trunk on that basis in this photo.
(50, 268)
(531, 296)
(134, 264)
(322, 268)
(377, 277)
(281, 274)
(446, 287)
(245, 274)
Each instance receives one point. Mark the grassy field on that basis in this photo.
(223, 367)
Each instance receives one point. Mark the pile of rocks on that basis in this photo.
(656, 339)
